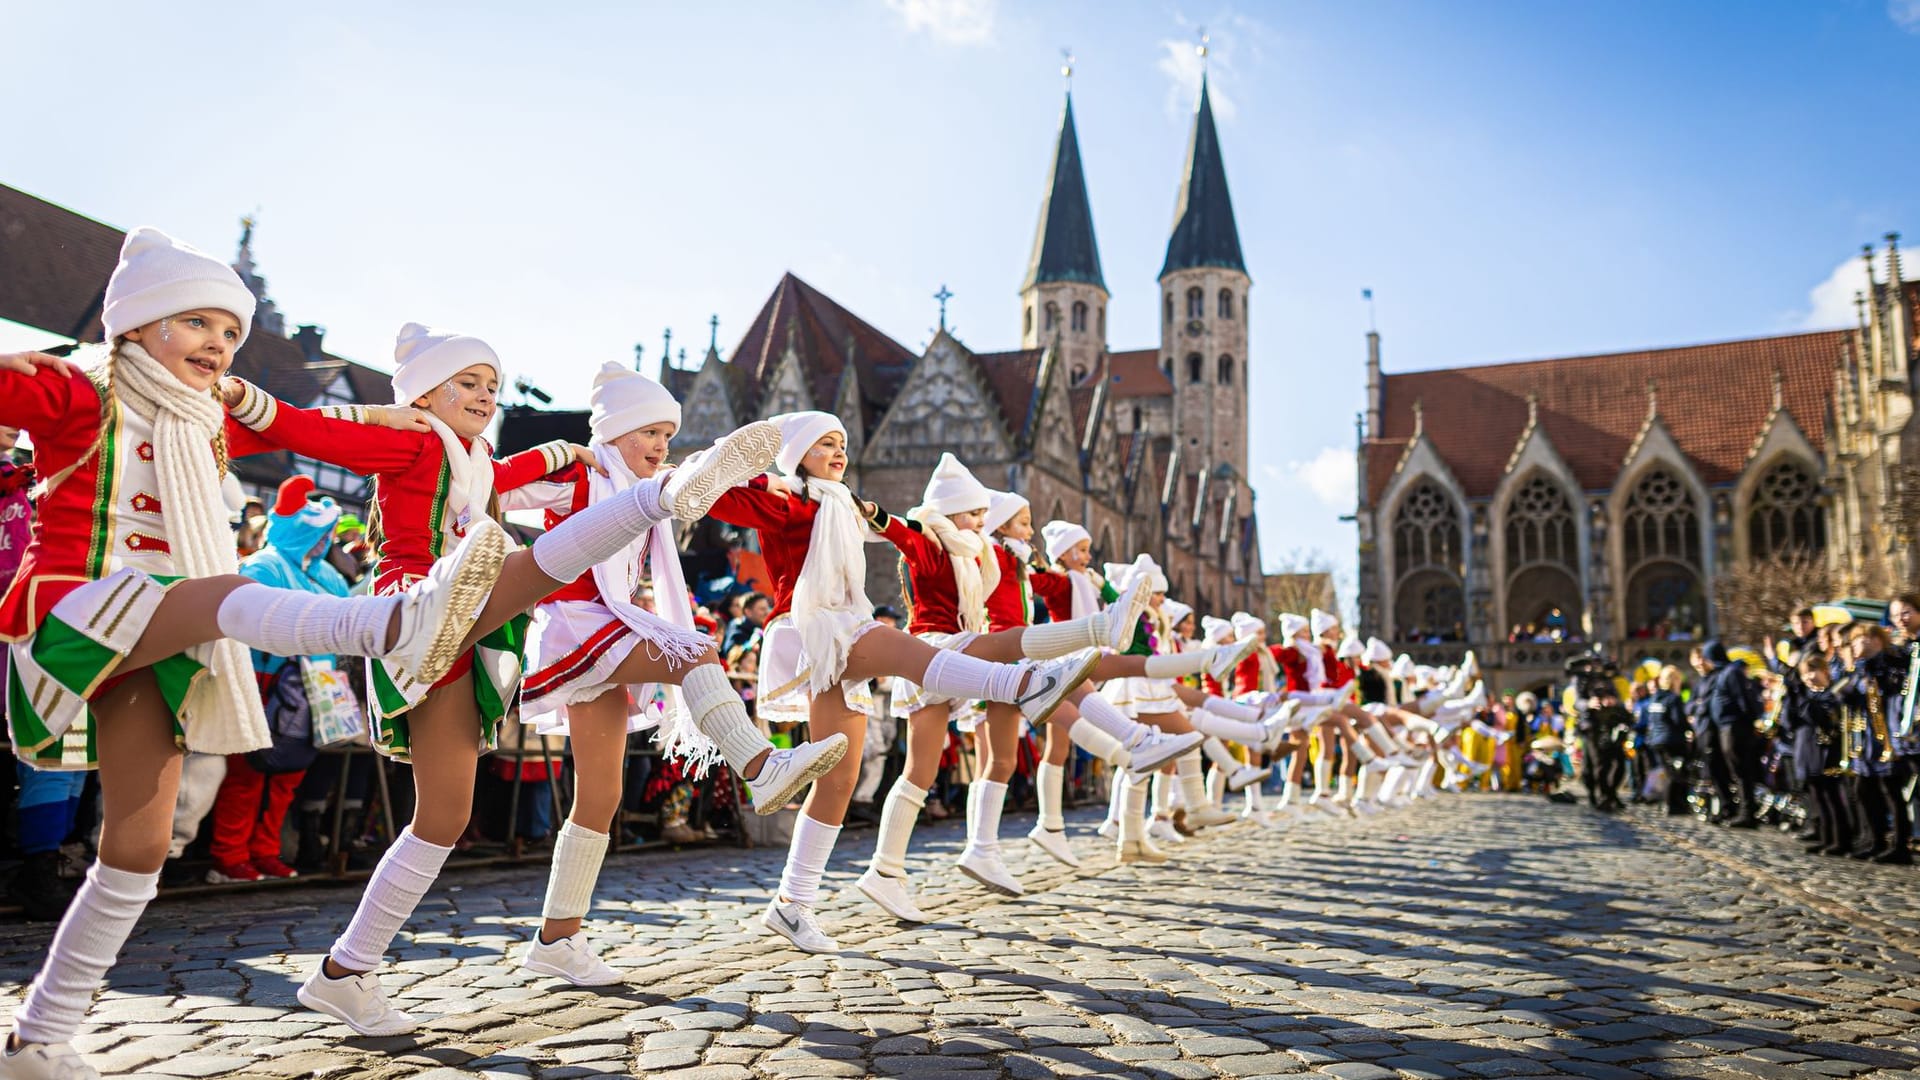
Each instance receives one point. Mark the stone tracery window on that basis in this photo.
(1786, 515)
(1426, 530)
(1661, 521)
(1540, 525)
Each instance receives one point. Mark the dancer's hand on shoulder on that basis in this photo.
(587, 457)
(232, 389)
(399, 418)
(30, 363)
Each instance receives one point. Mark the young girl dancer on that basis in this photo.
(430, 487)
(128, 624)
(822, 644)
(590, 640)
(1087, 719)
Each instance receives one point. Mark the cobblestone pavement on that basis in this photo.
(1474, 936)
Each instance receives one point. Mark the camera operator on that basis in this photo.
(1604, 726)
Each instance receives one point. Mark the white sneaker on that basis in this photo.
(1108, 829)
(1476, 700)
(438, 611)
(1378, 764)
(1141, 851)
(355, 1001)
(786, 773)
(1228, 657)
(1246, 776)
(1054, 843)
(46, 1061)
(986, 868)
(1051, 681)
(796, 923)
(893, 894)
(699, 482)
(1163, 831)
(1123, 615)
(570, 959)
(1156, 748)
(1208, 817)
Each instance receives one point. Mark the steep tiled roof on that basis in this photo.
(1713, 398)
(1136, 373)
(1012, 376)
(820, 331)
(1063, 245)
(1204, 232)
(54, 265)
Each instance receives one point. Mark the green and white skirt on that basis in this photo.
(498, 662)
(75, 653)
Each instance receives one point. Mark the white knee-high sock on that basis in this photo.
(1232, 710)
(405, 872)
(1133, 809)
(1223, 760)
(1096, 741)
(989, 799)
(1050, 783)
(577, 855)
(1205, 722)
(592, 536)
(1216, 786)
(1116, 795)
(1377, 735)
(1049, 640)
(89, 940)
(897, 818)
(283, 622)
(807, 860)
(1102, 714)
(721, 716)
(1193, 787)
(1178, 665)
(955, 674)
(1162, 795)
(1256, 799)
(1323, 770)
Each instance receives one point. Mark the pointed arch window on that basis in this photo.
(1079, 317)
(1053, 315)
(1194, 364)
(1100, 318)
(1196, 303)
(1169, 307)
(1226, 303)
(1136, 418)
(1661, 521)
(1540, 526)
(1226, 370)
(1786, 516)
(1426, 530)
(1026, 325)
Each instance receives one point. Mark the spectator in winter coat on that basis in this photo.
(1731, 702)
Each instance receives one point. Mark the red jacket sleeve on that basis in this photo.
(42, 401)
(1294, 667)
(922, 554)
(1246, 677)
(752, 506)
(262, 424)
(529, 465)
(1055, 591)
(1339, 672)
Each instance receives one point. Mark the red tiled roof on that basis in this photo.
(820, 330)
(1011, 376)
(1713, 398)
(1136, 373)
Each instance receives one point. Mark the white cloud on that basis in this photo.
(956, 22)
(1830, 303)
(1181, 64)
(1905, 14)
(1332, 477)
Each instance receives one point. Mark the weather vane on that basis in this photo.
(1202, 48)
(1066, 66)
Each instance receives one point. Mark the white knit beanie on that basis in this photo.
(1215, 631)
(798, 432)
(953, 490)
(1060, 536)
(1377, 652)
(624, 400)
(424, 357)
(1321, 622)
(1006, 506)
(1247, 625)
(1291, 625)
(1175, 611)
(1403, 666)
(1351, 649)
(159, 276)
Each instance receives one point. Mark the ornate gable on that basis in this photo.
(708, 412)
(1055, 447)
(787, 390)
(944, 406)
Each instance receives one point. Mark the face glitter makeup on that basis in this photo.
(166, 329)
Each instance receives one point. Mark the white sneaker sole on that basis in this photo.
(992, 885)
(911, 914)
(541, 967)
(1055, 845)
(1127, 608)
(773, 927)
(480, 559)
(834, 748)
(737, 457)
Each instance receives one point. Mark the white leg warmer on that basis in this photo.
(1133, 808)
(591, 536)
(1377, 735)
(954, 674)
(89, 940)
(1232, 710)
(1049, 640)
(897, 818)
(577, 855)
(988, 799)
(402, 878)
(807, 860)
(1205, 722)
(1323, 769)
(1117, 795)
(1049, 783)
(283, 622)
(1217, 752)
(721, 716)
(1100, 713)
(1216, 786)
(1178, 665)
(1096, 741)
(1193, 787)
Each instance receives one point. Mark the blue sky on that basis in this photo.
(1512, 179)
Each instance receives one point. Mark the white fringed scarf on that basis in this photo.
(976, 573)
(1269, 668)
(222, 713)
(830, 602)
(1086, 593)
(470, 469)
(619, 578)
